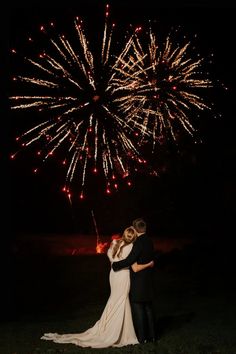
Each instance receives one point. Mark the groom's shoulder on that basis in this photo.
(143, 239)
(140, 239)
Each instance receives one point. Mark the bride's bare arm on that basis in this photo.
(138, 267)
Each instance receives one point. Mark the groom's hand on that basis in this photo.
(114, 266)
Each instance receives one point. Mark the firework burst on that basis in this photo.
(103, 108)
(165, 86)
(79, 93)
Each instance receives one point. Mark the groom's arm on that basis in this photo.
(128, 261)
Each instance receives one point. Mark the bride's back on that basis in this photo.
(125, 250)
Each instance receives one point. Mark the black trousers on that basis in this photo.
(143, 319)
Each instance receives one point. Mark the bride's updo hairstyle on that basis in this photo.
(129, 236)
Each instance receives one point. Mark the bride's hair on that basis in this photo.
(129, 236)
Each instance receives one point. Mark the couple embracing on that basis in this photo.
(128, 315)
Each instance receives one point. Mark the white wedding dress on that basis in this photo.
(115, 327)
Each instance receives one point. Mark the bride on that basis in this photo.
(115, 326)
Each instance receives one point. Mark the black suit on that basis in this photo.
(141, 287)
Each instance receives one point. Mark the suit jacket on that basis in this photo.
(141, 286)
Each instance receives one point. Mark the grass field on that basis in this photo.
(195, 303)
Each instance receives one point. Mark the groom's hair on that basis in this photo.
(139, 225)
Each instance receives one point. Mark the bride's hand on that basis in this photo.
(151, 264)
(135, 267)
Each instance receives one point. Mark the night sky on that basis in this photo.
(194, 195)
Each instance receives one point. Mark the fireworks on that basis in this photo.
(100, 108)
(164, 83)
(84, 104)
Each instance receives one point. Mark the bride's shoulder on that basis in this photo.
(115, 241)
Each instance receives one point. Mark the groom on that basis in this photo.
(141, 291)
